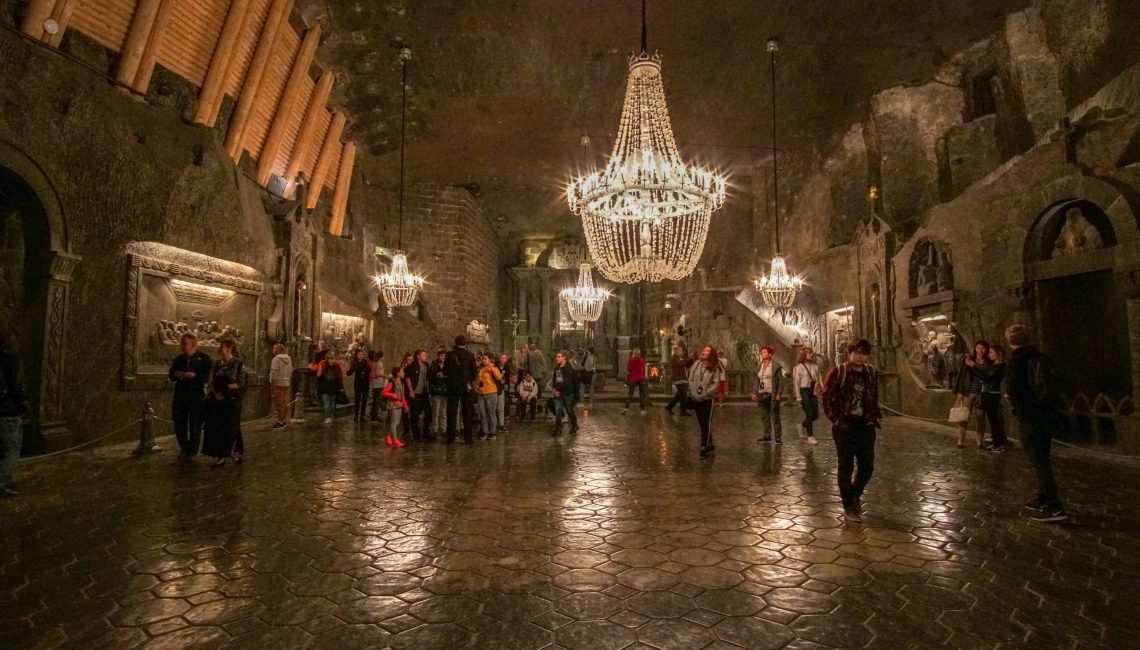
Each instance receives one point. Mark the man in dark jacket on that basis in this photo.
(461, 371)
(564, 383)
(769, 395)
(13, 406)
(416, 385)
(1031, 390)
(189, 371)
(851, 402)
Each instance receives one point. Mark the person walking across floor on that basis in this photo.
(280, 381)
(679, 375)
(707, 381)
(395, 393)
(13, 408)
(968, 389)
(487, 383)
(1032, 390)
(506, 371)
(419, 399)
(992, 382)
(460, 367)
(361, 372)
(564, 389)
(190, 372)
(227, 387)
(636, 380)
(808, 387)
(589, 372)
(437, 389)
(330, 384)
(851, 402)
(769, 395)
(537, 366)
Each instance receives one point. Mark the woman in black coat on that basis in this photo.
(223, 425)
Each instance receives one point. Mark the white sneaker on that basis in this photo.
(812, 440)
(643, 412)
(624, 411)
(328, 421)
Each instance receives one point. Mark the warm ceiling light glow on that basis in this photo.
(585, 301)
(399, 286)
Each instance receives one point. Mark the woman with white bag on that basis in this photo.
(968, 388)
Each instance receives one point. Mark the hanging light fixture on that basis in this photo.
(780, 286)
(585, 301)
(646, 216)
(399, 285)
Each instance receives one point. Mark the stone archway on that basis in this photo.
(37, 271)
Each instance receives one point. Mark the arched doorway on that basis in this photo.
(36, 267)
(1081, 301)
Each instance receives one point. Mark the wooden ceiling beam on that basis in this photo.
(307, 136)
(137, 37)
(298, 75)
(235, 137)
(61, 14)
(150, 51)
(325, 159)
(340, 194)
(214, 86)
(35, 14)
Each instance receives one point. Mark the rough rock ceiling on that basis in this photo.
(501, 92)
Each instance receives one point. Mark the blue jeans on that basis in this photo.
(11, 438)
(328, 401)
(489, 407)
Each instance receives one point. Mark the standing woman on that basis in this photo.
(376, 384)
(397, 405)
(968, 388)
(706, 381)
(330, 382)
(636, 380)
(991, 397)
(361, 371)
(487, 384)
(805, 377)
(227, 385)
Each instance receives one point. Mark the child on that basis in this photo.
(528, 397)
(397, 405)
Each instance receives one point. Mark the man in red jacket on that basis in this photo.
(851, 402)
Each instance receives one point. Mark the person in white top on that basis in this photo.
(805, 379)
(706, 382)
(280, 380)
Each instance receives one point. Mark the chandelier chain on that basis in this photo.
(644, 29)
(405, 54)
(772, 49)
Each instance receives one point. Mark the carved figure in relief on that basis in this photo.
(927, 272)
(1077, 235)
(945, 273)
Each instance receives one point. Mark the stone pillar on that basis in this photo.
(1023, 295)
(54, 430)
(1132, 287)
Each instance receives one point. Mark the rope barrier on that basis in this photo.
(82, 444)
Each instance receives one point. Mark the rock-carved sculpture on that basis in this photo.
(1077, 235)
(934, 356)
(931, 269)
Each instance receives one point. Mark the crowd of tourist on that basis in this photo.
(460, 393)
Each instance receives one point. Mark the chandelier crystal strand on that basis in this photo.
(646, 215)
(399, 286)
(585, 301)
(779, 287)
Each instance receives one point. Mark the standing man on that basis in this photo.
(189, 371)
(851, 402)
(12, 407)
(536, 366)
(1032, 391)
(564, 383)
(589, 367)
(506, 372)
(280, 380)
(679, 374)
(769, 385)
(416, 391)
(459, 365)
(437, 388)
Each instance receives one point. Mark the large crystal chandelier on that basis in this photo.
(779, 287)
(399, 285)
(585, 301)
(646, 216)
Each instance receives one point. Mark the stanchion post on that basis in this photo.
(298, 407)
(146, 432)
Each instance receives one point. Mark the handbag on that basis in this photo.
(959, 414)
(341, 397)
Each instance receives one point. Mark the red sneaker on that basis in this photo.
(388, 439)
(399, 443)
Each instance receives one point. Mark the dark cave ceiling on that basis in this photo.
(502, 91)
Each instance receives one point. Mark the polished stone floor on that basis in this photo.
(620, 537)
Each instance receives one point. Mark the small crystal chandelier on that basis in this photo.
(585, 301)
(399, 285)
(779, 287)
(646, 216)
